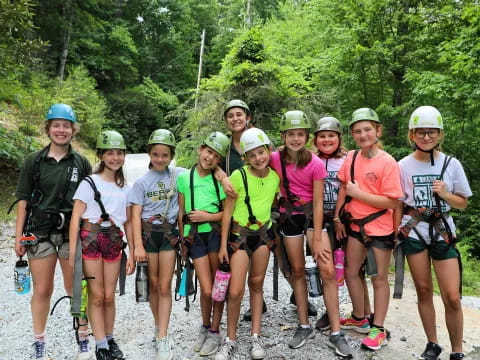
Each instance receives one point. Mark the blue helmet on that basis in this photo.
(61, 111)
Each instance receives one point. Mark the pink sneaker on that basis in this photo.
(375, 339)
(362, 326)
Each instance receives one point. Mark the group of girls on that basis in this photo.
(362, 200)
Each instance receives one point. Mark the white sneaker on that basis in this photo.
(227, 350)
(85, 350)
(201, 337)
(256, 348)
(211, 345)
(40, 351)
(164, 349)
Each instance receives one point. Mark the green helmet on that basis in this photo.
(328, 123)
(162, 136)
(219, 142)
(110, 139)
(294, 119)
(61, 111)
(253, 138)
(426, 117)
(364, 114)
(236, 103)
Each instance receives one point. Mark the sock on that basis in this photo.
(335, 333)
(381, 328)
(39, 337)
(109, 337)
(357, 318)
(305, 326)
(206, 326)
(82, 335)
(102, 344)
(214, 331)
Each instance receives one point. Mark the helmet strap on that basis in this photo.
(431, 152)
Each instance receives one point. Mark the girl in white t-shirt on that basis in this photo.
(430, 179)
(99, 219)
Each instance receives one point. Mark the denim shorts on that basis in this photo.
(204, 243)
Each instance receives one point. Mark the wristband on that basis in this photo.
(337, 219)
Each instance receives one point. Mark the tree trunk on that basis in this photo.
(67, 12)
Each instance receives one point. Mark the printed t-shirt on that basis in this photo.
(417, 181)
(300, 179)
(114, 199)
(380, 176)
(205, 196)
(150, 191)
(262, 193)
(332, 183)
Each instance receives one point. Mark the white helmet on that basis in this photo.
(253, 138)
(426, 117)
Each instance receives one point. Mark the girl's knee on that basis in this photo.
(207, 293)
(381, 280)
(164, 290)
(109, 299)
(327, 272)
(424, 291)
(96, 299)
(298, 272)
(255, 282)
(452, 301)
(235, 295)
(43, 292)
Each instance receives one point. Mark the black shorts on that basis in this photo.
(296, 226)
(380, 242)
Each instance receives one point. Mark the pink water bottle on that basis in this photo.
(339, 256)
(220, 285)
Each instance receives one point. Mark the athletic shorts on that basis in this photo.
(380, 242)
(295, 228)
(55, 244)
(439, 250)
(204, 243)
(251, 244)
(101, 246)
(158, 243)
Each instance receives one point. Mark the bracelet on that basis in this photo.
(337, 219)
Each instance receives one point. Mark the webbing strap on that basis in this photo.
(438, 202)
(77, 281)
(399, 270)
(192, 196)
(348, 198)
(291, 197)
(98, 198)
(251, 217)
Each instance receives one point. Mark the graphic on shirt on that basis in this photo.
(423, 191)
(331, 191)
(160, 194)
(74, 177)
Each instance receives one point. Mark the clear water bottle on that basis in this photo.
(141, 282)
(339, 256)
(22, 277)
(312, 276)
(220, 285)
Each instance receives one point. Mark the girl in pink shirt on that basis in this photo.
(368, 218)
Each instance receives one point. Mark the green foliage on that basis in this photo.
(14, 146)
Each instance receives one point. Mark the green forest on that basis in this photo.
(133, 66)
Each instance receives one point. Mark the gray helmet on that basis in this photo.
(328, 123)
(236, 103)
(162, 136)
(110, 139)
(364, 114)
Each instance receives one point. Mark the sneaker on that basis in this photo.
(312, 311)
(300, 337)
(256, 348)
(339, 343)
(40, 351)
(323, 323)
(164, 349)
(211, 344)
(248, 314)
(103, 354)
(201, 337)
(371, 320)
(432, 352)
(375, 339)
(115, 351)
(85, 351)
(362, 326)
(456, 356)
(226, 350)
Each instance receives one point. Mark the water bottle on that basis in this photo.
(84, 302)
(220, 285)
(141, 282)
(22, 277)
(314, 286)
(339, 256)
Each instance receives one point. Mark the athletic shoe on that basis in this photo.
(323, 323)
(311, 308)
(115, 351)
(339, 343)
(456, 356)
(227, 350)
(248, 314)
(211, 344)
(371, 322)
(103, 354)
(85, 351)
(300, 337)
(361, 326)
(256, 348)
(164, 349)
(40, 350)
(432, 352)
(201, 337)
(375, 339)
